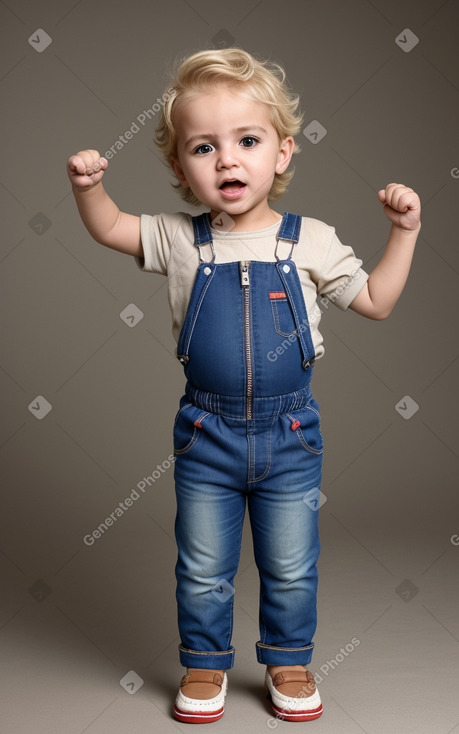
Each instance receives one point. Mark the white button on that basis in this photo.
(207, 271)
(286, 268)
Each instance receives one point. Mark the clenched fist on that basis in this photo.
(401, 205)
(86, 168)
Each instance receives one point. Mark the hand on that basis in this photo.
(401, 205)
(86, 168)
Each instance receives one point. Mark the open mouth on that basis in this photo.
(232, 186)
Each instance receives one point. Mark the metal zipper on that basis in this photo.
(245, 283)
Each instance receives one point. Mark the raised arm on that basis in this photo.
(386, 282)
(100, 215)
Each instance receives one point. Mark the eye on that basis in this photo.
(204, 148)
(249, 141)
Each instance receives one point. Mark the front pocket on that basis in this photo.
(305, 423)
(284, 321)
(187, 428)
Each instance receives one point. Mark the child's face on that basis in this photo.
(224, 137)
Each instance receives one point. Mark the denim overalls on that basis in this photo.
(248, 430)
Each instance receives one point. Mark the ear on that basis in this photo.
(285, 154)
(176, 167)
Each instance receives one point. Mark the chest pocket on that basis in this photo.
(284, 322)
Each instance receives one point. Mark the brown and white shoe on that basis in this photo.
(201, 698)
(294, 695)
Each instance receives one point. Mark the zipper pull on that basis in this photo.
(244, 268)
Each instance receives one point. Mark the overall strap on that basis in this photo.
(204, 275)
(289, 231)
(292, 287)
(202, 234)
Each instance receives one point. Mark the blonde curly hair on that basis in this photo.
(261, 81)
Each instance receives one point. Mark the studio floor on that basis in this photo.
(96, 653)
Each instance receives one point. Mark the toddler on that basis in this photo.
(243, 282)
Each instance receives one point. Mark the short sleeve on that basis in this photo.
(341, 276)
(157, 234)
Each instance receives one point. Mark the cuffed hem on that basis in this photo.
(270, 655)
(209, 659)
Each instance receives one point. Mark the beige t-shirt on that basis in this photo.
(327, 269)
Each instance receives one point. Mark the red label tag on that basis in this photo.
(274, 295)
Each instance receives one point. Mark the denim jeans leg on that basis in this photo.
(284, 520)
(208, 531)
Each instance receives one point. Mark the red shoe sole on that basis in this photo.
(198, 717)
(287, 714)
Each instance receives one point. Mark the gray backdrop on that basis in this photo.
(91, 389)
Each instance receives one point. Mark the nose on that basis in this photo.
(226, 158)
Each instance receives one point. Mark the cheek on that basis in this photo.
(198, 174)
(194, 179)
(267, 163)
